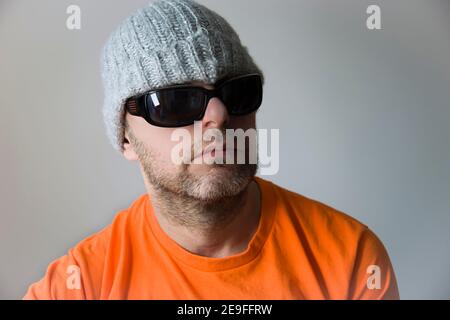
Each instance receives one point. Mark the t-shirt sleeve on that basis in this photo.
(373, 276)
(75, 276)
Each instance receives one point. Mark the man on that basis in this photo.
(205, 230)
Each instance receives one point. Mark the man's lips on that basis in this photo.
(211, 149)
(216, 151)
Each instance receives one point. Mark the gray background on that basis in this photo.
(363, 118)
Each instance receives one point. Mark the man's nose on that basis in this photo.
(216, 115)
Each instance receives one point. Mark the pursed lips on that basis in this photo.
(209, 149)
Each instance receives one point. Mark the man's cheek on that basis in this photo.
(173, 154)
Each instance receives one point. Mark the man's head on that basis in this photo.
(152, 146)
(167, 43)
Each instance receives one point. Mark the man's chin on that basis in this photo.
(218, 182)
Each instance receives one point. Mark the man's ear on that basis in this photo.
(128, 150)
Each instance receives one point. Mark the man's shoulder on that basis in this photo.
(86, 261)
(337, 241)
(322, 227)
(120, 225)
(311, 209)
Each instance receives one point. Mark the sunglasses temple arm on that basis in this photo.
(136, 106)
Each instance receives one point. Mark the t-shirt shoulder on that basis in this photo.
(74, 275)
(339, 242)
(315, 213)
(79, 273)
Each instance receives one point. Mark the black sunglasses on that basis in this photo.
(182, 105)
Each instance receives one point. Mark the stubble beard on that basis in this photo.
(205, 201)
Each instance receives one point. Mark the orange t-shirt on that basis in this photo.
(302, 249)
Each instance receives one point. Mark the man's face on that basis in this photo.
(152, 146)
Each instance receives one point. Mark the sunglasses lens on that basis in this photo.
(175, 107)
(242, 96)
(179, 107)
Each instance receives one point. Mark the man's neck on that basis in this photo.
(218, 229)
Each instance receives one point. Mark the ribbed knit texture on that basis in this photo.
(166, 43)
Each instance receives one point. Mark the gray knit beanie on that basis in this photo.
(166, 43)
